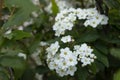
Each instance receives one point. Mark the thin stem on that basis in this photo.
(11, 73)
(1, 4)
(99, 6)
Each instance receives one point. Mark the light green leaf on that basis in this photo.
(117, 75)
(18, 34)
(54, 7)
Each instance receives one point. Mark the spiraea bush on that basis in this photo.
(59, 40)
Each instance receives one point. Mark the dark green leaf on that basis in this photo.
(88, 36)
(115, 52)
(3, 76)
(102, 47)
(112, 3)
(82, 73)
(42, 69)
(102, 58)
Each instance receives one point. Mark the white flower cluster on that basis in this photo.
(65, 19)
(84, 53)
(64, 60)
(65, 5)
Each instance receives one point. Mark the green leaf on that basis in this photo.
(25, 8)
(3, 76)
(102, 58)
(14, 62)
(114, 18)
(88, 36)
(42, 69)
(82, 73)
(29, 74)
(115, 52)
(102, 47)
(93, 68)
(112, 3)
(117, 75)
(54, 7)
(18, 34)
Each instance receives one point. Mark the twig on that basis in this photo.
(99, 6)
(11, 73)
(1, 5)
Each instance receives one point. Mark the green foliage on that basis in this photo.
(22, 14)
(117, 75)
(115, 52)
(54, 7)
(105, 41)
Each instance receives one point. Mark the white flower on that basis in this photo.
(85, 54)
(65, 52)
(38, 76)
(27, 23)
(65, 5)
(36, 2)
(35, 14)
(35, 56)
(104, 20)
(66, 39)
(85, 61)
(71, 60)
(20, 28)
(61, 72)
(22, 55)
(53, 48)
(81, 13)
(71, 70)
(8, 32)
(42, 43)
(52, 65)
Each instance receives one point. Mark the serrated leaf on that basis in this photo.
(115, 52)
